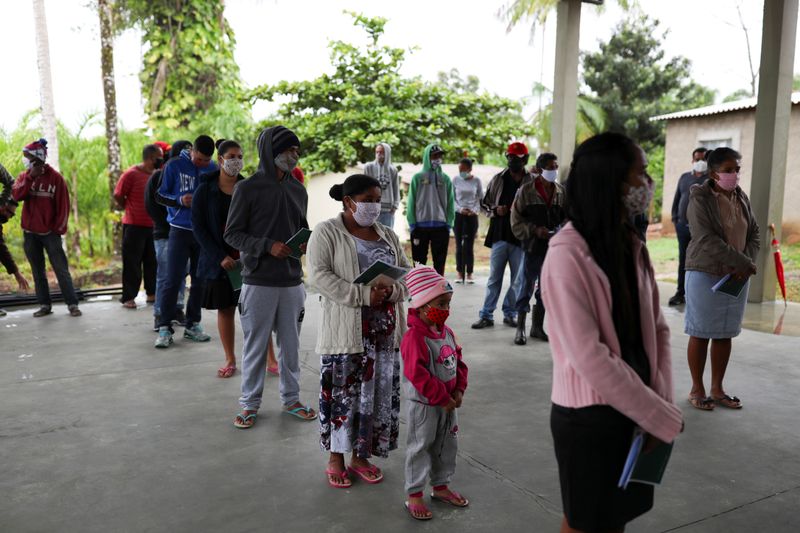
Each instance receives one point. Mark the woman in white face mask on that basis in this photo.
(359, 334)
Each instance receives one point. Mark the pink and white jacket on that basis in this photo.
(432, 364)
(587, 367)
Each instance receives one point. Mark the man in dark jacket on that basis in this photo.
(7, 209)
(680, 203)
(158, 213)
(537, 213)
(179, 180)
(266, 211)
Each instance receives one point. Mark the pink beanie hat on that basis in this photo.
(424, 284)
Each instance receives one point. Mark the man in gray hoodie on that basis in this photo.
(382, 170)
(266, 211)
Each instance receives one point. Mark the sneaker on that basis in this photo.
(164, 337)
(483, 323)
(470, 281)
(678, 299)
(74, 311)
(43, 311)
(196, 334)
(180, 318)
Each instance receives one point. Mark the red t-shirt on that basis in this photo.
(132, 185)
(297, 173)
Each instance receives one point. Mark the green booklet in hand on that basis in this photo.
(730, 286)
(298, 239)
(235, 275)
(380, 273)
(641, 467)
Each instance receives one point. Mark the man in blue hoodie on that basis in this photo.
(179, 180)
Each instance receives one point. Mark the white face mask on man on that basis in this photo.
(700, 167)
(286, 162)
(550, 175)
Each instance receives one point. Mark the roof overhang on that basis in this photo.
(716, 109)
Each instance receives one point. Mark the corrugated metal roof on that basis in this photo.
(727, 107)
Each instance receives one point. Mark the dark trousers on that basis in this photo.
(533, 267)
(466, 229)
(683, 243)
(35, 246)
(181, 248)
(138, 255)
(438, 239)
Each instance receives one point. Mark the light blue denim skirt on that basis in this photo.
(712, 315)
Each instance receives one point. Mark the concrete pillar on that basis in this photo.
(772, 133)
(565, 84)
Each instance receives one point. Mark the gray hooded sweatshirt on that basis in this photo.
(386, 174)
(265, 210)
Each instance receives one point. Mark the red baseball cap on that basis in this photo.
(517, 148)
(165, 147)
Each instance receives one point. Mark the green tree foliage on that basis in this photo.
(632, 81)
(591, 118)
(536, 11)
(190, 80)
(339, 117)
(738, 94)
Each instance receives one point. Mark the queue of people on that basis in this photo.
(576, 248)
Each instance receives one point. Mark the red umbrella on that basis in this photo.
(778, 262)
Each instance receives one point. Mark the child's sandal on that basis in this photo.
(413, 508)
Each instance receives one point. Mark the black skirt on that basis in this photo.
(591, 446)
(219, 294)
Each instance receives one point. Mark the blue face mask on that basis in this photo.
(464, 175)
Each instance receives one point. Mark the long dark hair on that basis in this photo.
(594, 188)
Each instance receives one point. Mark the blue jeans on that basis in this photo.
(503, 253)
(35, 247)
(387, 219)
(162, 245)
(181, 247)
(533, 267)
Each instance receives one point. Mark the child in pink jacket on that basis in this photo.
(434, 380)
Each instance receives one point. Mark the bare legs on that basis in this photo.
(227, 333)
(697, 352)
(720, 355)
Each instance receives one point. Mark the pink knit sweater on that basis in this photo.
(587, 367)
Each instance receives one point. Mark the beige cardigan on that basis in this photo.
(332, 265)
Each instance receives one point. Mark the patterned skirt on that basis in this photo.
(359, 401)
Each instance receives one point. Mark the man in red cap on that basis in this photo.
(44, 220)
(506, 249)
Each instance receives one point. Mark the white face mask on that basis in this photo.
(286, 162)
(638, 199)
(366, 213)
(550, 175)
(232, 167)
(27, 163)
(700, 167)
(436, 163)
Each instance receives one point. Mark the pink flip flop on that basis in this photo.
(418, 508)
(273, 370)
(343, 474)
(453, 499)
(362, 471)
(226, 371)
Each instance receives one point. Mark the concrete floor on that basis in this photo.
(101, 432)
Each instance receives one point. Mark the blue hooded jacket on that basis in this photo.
(180, 176)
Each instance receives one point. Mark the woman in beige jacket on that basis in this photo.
(359, 334)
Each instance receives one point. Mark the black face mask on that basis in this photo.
(158, 163)
(517, 163)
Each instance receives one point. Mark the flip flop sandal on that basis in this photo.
(343, 474)
(130, 304)
(418, 508)
(703, 404)
(362, 471)
(302, 409)
(731, 402)
(453, 499)
(226, 371)
(245, 420)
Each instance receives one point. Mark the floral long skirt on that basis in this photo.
(359, 401)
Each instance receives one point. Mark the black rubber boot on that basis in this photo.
(537, 328)
(520, 338)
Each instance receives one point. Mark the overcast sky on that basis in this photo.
(287, 39)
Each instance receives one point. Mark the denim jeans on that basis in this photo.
(387, 219)
(503, 253)
(533, 267)
(182, 247)
(684, 236)
(35, 247)
(162, 245)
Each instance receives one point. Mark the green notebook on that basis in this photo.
(647, 468)
(235, 275)
(380, 273)
(298, 239)
(730, 286)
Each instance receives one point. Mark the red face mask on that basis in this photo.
(436, 315)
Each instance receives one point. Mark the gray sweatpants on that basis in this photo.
(264, 309)
(431, 446)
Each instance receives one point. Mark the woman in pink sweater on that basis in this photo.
(610, 343)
